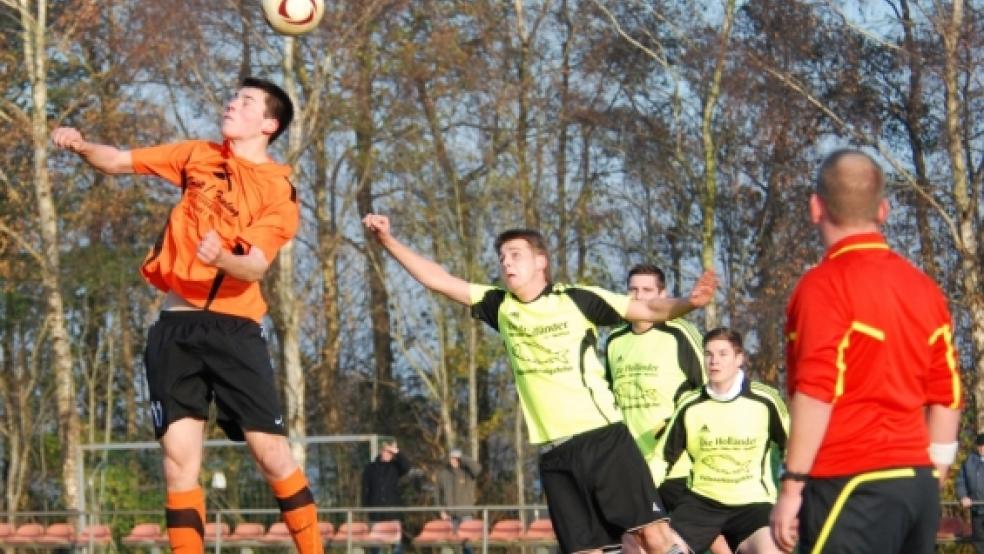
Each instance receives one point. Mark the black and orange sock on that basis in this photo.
(300, 515)
(185, 512)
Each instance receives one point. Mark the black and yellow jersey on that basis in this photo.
(730, 442)
(648, 371)
(552, 343)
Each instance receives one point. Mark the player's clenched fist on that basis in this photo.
(378, 224)
(68, 138)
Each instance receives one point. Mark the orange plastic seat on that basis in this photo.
(384, 534)
(96, 534)
(26, 533)
(506, 532)
(145, 534)
(471, 531)
(246, 534)
(356, 532)
(277, 534)
(539, 532)
(436, 532)
(327, 531)
(58, 534)
(215, 531)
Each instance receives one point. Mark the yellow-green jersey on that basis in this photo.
(552, 343)
(730, 442)
(648, 371)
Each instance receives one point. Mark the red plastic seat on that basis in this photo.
(327, 531)
(384, 534)
(506, 532)
(58, 534)
(246, 534)
(145, 534)
(357, 531)
(6, 530)
(96, 534)
(436, 532)
(278, 534)
(952, 528)
(539, 532)
(470, 530)
(26, 533)
(213, 531)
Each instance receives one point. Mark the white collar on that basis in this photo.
(731, 393)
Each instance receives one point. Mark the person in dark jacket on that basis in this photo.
(970, 490)
(380, 481)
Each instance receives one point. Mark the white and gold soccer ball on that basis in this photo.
(293, 17)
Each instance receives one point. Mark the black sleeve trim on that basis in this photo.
(594, 307)
(609, 376)
(487, 309)
(687, 357)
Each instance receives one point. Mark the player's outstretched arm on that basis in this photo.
(105, 158)
(665, 309)
(427, 272)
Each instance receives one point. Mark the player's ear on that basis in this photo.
(269, 126)
(816, 209)
(883, 209)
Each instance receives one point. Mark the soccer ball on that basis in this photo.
(293, 17)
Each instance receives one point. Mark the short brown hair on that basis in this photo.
(648, 269)
(278, 104)
(850, 194)
(532, 237)
(725, 333)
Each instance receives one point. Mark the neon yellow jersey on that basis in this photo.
(730, 442)
(552, 344)
(648, 371)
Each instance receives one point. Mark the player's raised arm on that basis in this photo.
(665, 309)
(425, 271)
(105, 158)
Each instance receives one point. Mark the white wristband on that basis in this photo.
(942, 453)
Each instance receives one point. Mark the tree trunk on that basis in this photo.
(964, 200)
(290, 312)
(69, 428)
(709, 196)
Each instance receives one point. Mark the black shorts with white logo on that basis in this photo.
(598, 486)
(672, 491)
(195, 357)
(889, 511)
(699, 520)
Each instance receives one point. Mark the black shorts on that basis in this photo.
(885, 512)
(699, 520)
(672, 491)
(598, 486)
(194, 357)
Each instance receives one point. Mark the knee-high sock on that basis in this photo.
(300, 515)
(185, 513)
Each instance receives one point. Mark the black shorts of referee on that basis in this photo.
(889, 511)
(196, 357)
(699, 520)
(598, 487)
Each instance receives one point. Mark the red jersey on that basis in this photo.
(871, 334)
(247, 204)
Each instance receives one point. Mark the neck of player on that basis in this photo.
(252, 149)
(642, 326)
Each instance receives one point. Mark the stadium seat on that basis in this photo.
(216, 531)
(327, 531)
(435, 534)
(952, 528)
(145, 534)
(246, 534)
(25, 534)
(506, 532)
(57, 534)
(357, 531)
(540, 532)
(470, 531)
(6, 529)
(383, 534)
(96, 535)
(278, 534)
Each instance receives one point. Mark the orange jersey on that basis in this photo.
(870, 334)
(249, 205)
